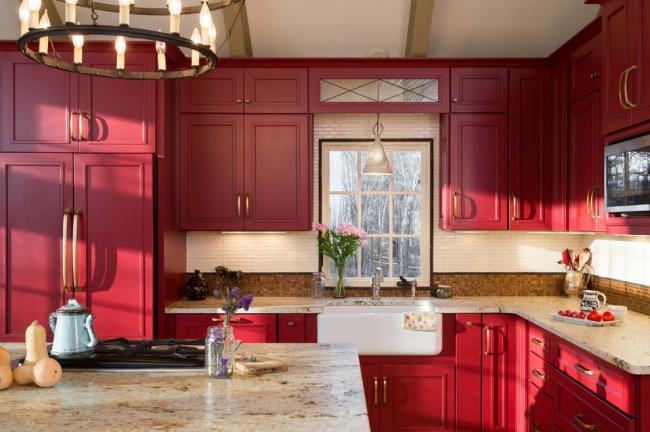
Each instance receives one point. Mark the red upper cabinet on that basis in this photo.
(585, 165)
(35, 191)
(478, 164)
(479, 90)
(114, 199)
(639, 77)
(277, 167)
(276, 91)
(39, 107)
(531, 150)
(212, 172)
(118, 116)
(584, 69)
(220, 91)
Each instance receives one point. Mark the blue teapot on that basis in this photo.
(72, 326)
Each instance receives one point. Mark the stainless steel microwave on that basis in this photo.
(627, 176)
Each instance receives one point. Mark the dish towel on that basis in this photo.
(421, 321)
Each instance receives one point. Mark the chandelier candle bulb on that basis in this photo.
(196, 56)
(70, 11)
(161, 48)
(120, 48)
(44, 41)
(175, 8)
(34, 10)
(78, 43)
(205, 21)
(124, 12)
(24, 14)
(212, 32)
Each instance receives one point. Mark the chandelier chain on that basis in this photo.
(93, 13)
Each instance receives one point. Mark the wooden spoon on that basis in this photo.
(584, 258)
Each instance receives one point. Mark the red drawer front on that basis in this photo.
(297, 328)
(539, 342)
(540, 409)
(577, 409)
(606, 381)
(247, 328)
(540, 373)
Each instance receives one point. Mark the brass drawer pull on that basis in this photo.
(580, 419)
(583, 370)
(538, 374)
(620, 91)
(454, 210)
(376, 390)
(488, 340)
(537, 341)
(626, 96)
(291, 323)
(233, 320)
(238, 206)
(515, 209)
(385, 391)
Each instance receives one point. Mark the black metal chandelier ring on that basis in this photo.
(138, 10)
(101, 30)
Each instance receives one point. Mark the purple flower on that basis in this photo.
(246, 301)
(235, 293)
(216, 293)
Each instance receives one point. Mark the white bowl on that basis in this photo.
(619, 311)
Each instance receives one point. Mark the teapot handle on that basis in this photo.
(52, 321)
(91, 333)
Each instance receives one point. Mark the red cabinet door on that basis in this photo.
(478, 172)
(35, 190)
(39, 106)
(119, 115)
(271, 90)
(277, 167)
(499, 373)
(479, 90)
(540, 411)
(616, 43)
(585, 165)
(297, 328)
(584, 69)
(371, 376)
(531, 150)
(247, 328)
(469, 335)
(220, 91)
(114, 197)
(417, 398)
(639, 81)
(212, 172)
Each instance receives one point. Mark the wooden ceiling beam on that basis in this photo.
(239, 43)
(419, 30)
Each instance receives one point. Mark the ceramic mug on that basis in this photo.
(592, 300)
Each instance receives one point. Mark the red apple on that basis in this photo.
(608, 316)
(594, 316)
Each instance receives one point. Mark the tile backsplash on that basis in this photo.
(623, 258)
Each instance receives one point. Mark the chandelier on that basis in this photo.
(36, 29)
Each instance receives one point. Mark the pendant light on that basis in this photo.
(378, 163)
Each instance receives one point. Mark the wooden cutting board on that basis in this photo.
(261, 366)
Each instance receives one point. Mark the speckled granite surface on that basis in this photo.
(322, 391)
(626, 345)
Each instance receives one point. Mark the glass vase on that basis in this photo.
(339, 290)
(220, 348)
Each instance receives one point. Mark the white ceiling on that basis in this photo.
(354, 28)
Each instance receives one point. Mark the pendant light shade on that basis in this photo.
(378, 163)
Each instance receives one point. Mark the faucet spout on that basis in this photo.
(377, 279)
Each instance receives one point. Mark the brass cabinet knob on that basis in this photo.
(291, 324)
(454, 100)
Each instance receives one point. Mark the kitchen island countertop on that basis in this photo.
(321, 391)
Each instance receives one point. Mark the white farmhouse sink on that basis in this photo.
(378, 330)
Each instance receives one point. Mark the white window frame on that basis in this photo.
(424, 146)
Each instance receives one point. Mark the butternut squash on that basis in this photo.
(6, 377)
(5, 358)
(35, 344)
(24, 375)
(47, 372)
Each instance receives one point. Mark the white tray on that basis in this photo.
(584, 322)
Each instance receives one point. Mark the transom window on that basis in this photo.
(394, 211)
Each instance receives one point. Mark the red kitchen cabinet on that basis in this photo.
(211, 172)
(477, 192)
(530, 150)
(584, 69)
(297, 328)
(246, 327)
(417, 398)
(220, 91)
(540, 411)
(371, 376)
(639, 78)
(469, 355)
(35, 191)
(114, 200)
(479, 90)
(117, 115)
(586, 212)
(277, 172)
(39, 106)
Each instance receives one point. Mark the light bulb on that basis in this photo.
(175, 9)
(34, 5)
(205, 18)
(196, 39)
(23, 14)
(44, 41)
(161, 48)
(78, 43)
(34, 9)
(120, 48)
(70, 11)
(124, 11)
(212, 34)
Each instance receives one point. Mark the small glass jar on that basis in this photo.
(220, 348)
(318, 284)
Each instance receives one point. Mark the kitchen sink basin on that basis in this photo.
(378, 330)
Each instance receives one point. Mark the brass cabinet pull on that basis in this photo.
(538, 374)
(454, 100)
(238, 205)
(291, 323)
(64, 249)
(238, 100)
(71, 126)
(620, 91)
(594, 207)
(589, 203)
(80, 118)
(469, 324)
(488, 340)
(583, 370)
(248, 101)
(580, 419)
(626, 96)
(248, 206)
(376, 390)
(454, 210)
(515, 212)
(235, 319)
(385, 391)
(75, 238)
(537, 341)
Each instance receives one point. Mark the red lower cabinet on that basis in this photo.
(371, 375)
(540, 410)
(247, 328)
(297, 328)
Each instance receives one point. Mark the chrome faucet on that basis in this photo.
(377, 279)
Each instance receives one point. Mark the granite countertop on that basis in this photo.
(626, 345)
(322, 391)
